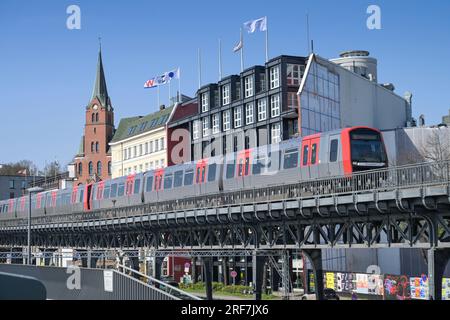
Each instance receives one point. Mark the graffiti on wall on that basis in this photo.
(397, 287)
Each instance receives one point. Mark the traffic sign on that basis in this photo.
(233, 274)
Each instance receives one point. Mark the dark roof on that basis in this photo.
(100, 90)
(130, 127)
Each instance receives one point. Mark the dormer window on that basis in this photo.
(205, 102)
(226, 94)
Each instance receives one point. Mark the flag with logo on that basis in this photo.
(254, 25)
(162, 79)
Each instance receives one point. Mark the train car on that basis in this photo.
(336, 153)
(123, 191)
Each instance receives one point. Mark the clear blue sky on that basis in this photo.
(47, 71)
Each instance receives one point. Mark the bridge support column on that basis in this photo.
(315, 257)
(437, 261)
(194, 269)
(258, 275)
(274, 279)
(88, 261)
(156, 268)
(134, 261)
(207, 267)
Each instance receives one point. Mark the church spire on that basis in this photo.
(100, 90)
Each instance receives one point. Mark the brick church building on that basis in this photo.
(93, 161)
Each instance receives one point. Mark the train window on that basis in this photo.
(274, 164)
(113, 190)
(258, 165)
(178, 179)
(149, 184)
(137, 184)
(314, 153)
(168, 179)
(189, 177)
(121, 190)
(106, 192)
(305, 155)
(212, 172)
(290, 159)
(333, 150)
(230, 170)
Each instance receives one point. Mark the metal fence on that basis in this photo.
(94, 285)
(393, 178)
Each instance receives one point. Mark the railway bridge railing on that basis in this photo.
(403, 206)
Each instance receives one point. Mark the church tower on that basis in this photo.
(93, 161)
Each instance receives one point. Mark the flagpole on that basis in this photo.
(170, 91)
(158, 96)
(179, 85)
(242, 52)
(267, 41)
(199, 69)
(220, 59)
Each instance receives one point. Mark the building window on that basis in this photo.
(237, 117)
(216, 124)
(275, 105)
(292, 100)
(99, 168)
(135, 151)
(140, 150)
(226, 120)
(162, 143)
(91, 168)
(162, 163)
(24, 185)
(226, 94)
(97, 147)
(294, 74)
(125, 154)
(92, 147)
(146, 148)
(141, 167)
(96, 117)
(80, 169)
(276, 133)
(109, 168)
(12, 195)
(249, 119)
(262, 109)
(11, 184)
(93, 118)
(196, 130)
(248, 86)
(156, 164)
(205, 102)
(274, 77)
(151, 147)
(205, 122)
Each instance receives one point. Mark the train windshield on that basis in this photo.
(367, 147)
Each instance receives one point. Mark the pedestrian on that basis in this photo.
(354, 296)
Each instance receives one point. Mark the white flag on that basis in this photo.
(258, 24)
(238, 46)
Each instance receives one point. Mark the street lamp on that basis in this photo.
(30, 192)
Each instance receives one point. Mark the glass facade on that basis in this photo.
(320, 101)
